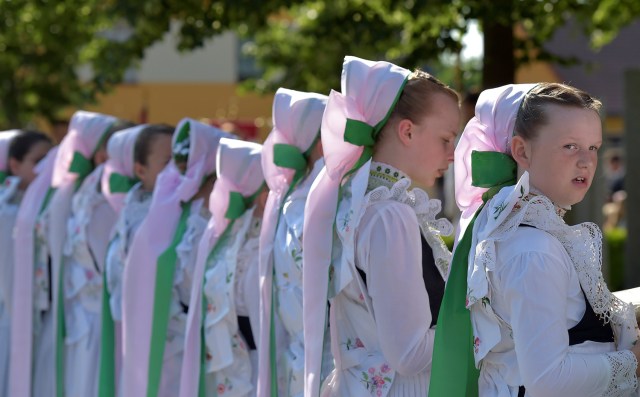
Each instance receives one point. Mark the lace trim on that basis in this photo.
(583, 244)
(426, 210)
(623, 366)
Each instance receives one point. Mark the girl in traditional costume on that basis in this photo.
(88, 227)
(372, 240)
(292, 158)
(136, 156)
(543, 320)
(225, 280)
(159, 267)
(20, 151)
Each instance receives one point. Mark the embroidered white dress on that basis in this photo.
(287, 259)
(186, 253)
(526, 291)
(9, 203)
(228, 292)
(247, 297)
(88, 230)
(136, 206)
(381, 334)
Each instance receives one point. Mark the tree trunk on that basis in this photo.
(498, 63)
(632, 176)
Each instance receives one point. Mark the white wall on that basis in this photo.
(217, 61)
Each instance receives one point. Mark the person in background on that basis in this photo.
(20, 151)
(158, 270)
(224, 298)
(292, 158)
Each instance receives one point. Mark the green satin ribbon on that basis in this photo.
(107, 375)
(3, 176)
(237, 206)
(80, 165)
(119, 183)
(183, 134)
(453, 372)
(163, 291)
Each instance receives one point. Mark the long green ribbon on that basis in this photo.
(107, 383)
(165, 272)
(453, 372)
(119, 183)
(3, 176)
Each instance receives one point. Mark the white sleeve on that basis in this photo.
(390, 251)
(536, 286)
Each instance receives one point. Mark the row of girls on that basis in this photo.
(153, 261)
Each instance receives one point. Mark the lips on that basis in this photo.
(580, 180)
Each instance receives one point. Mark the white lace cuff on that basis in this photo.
(623, 380)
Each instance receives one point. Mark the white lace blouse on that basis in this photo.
(533, 297)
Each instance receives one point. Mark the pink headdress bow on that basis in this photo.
(86, 132)
(297, 117)
(489, 131)
(118, 176)
(239, 179)
(5, 142)
(350, 123)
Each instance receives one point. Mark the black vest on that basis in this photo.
(433, 281)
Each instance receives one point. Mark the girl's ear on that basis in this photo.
(404, 130)
(139, 170)
(14, 166)
(521, 152)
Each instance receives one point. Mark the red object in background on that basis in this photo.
(246, 130)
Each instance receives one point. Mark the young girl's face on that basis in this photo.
(433, 144)
(562, 159)
(25, 169)
(159, 156)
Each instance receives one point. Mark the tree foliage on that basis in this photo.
(299, 44)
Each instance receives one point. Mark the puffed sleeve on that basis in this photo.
(536, 285)
(389, 250)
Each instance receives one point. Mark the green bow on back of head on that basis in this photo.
(119, 183)
(492, 170)
(80, 165)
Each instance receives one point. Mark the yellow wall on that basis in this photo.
(170, 102)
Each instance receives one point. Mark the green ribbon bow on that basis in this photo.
(453, 372)
(238, 205)
(119, 183)
(80, 165)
